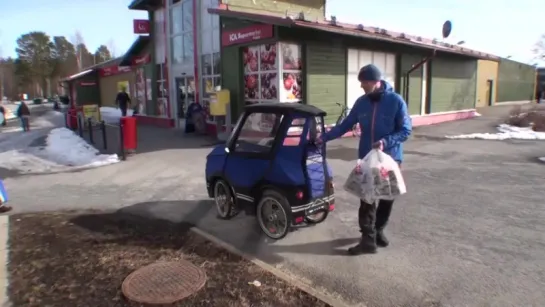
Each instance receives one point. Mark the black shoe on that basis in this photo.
(382, 241)
(362, 249)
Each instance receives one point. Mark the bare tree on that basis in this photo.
(77, 41)
(539, 48)
(111, 47)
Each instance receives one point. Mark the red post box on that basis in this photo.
(128, 126)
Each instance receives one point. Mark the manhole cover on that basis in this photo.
(163, 282)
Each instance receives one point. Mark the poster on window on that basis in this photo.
(291, 87)
(268, 82)
(148, 89)
(251, 88)
(250, 58)
(267, 59)
(140, 91)
(291, 57)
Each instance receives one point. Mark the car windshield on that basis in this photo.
(258, 132)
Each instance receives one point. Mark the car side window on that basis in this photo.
(258, 133)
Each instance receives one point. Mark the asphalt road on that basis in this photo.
(468, 233)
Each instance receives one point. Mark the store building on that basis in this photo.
(286, 51)
(317, 62)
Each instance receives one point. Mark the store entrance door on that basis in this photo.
(185, 95)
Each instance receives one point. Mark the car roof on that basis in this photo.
(285, 107)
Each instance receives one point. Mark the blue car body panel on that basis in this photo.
(299, 165)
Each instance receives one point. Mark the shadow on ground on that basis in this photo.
(241, 232)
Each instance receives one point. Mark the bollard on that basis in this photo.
(80, 125)
(90, 124)
(122, 142)
(103, 128)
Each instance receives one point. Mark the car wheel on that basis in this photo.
(317, 217)
(223, 197)
(274, 214)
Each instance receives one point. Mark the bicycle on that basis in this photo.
(344, 113)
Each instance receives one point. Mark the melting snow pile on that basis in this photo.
(505, 132)
(112, 115)
(65, 147)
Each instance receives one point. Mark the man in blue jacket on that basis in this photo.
(385, 124)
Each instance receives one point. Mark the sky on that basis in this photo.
(501, 27)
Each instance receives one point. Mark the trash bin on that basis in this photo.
(72, 118)
(128, 126)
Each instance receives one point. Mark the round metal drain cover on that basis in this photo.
(163, 282)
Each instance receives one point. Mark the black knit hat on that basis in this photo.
(369, 73)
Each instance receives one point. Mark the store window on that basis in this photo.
(210, 53)
(161, 108)
(386, 62)
(181, 30)
(273, 73)
(292, 74)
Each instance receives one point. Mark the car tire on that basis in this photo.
(282, 210)
(223, 193)
(317, 217)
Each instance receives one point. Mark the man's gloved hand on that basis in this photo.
(319, 140)
(378, 145)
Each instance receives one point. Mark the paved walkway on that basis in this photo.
(468, 233)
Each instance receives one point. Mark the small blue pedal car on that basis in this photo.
(271, 167)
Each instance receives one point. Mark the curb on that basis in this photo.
(4, 235)
(326, 298)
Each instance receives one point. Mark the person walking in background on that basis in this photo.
(386, 124)
(123, 101)
(23, 113)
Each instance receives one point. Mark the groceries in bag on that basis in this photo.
(377, 176)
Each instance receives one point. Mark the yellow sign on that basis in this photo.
(92, 111)
(123, 85)
(219, 102)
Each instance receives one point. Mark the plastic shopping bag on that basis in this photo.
(377, 176)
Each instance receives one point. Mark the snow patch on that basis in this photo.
(66, 148)
(112, 115)
(505, 132)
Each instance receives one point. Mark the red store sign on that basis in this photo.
(140, 26)
(246, 35)
(113, 70)
(141, 60)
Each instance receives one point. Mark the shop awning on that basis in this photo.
(89, 70)
(355, 30)
(78, 75)
(145, 5)
(136, 49)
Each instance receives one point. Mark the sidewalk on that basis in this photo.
(149, 139)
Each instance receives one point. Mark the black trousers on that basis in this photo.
(373, 218)
(123, 110)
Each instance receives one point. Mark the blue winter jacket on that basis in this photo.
(386, 119)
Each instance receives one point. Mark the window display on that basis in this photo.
(260, 73)
(292, 77)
